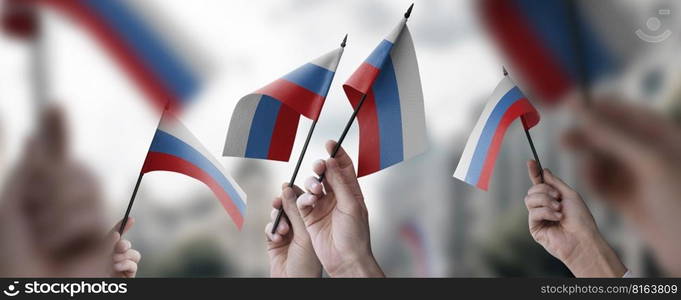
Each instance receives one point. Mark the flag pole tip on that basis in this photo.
(345, 40)
(408, 13)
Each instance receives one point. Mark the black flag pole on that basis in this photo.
(345, 130)
(291, 182)
(529, 141)
(534, 151)
(132, 200)
(137, 184)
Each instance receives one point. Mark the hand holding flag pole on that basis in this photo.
(348, 125)
(291, 182)
(345, 130)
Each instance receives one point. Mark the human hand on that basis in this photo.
(289, 248)
(631, 157)
(50, 208)
(125, 259)
(560, 221)
(337, 219)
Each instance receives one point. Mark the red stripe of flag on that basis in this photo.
(369, 135)
(297, 97)
(522, 45)
(363, 77)
(283, 134)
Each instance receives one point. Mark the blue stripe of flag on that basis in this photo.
(389, 113)
(168, 144)
(481, 150)
(551, 21)
(262, 127)
(162, 61)
(378, 57)
(312, 77)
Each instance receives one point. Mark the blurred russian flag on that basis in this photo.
(553, 46)
(137, 40)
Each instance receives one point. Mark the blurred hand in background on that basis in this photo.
(561, 222)
(51, 215)
(289, 248)
(336, 218)
(631, 157)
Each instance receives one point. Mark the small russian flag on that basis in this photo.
(506, 104)
(175, 149)
(264, 123)
(392, 125)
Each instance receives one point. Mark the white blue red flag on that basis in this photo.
(551, 51)
(175, 149)
(264, 123)
(506, 104)
(165, 74)
(392, 125)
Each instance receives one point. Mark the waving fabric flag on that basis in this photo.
(506, 104)
(264, 123)
(545, 45)
(165, 75)
(392, 124)
(175, 149)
